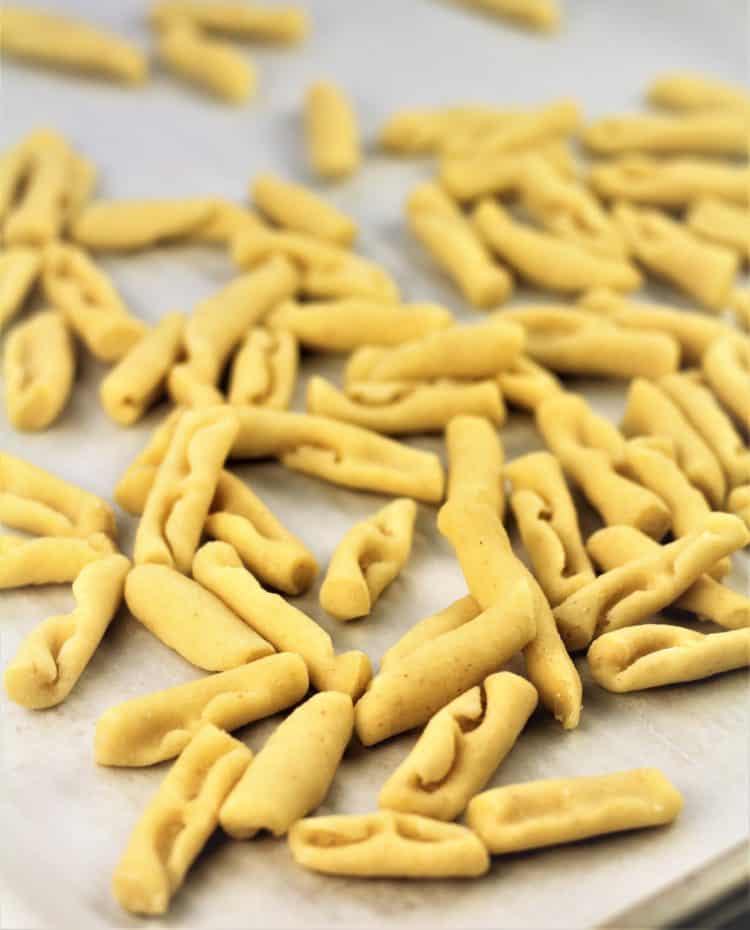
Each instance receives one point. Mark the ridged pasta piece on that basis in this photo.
(726, 367)
(475, 461)
(48, 559)
(331, 131)
(19, 271)
(715, 133)
(264, 370)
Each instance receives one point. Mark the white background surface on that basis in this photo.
(64, 822)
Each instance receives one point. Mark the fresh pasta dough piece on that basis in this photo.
(178, 821)
(53, 656)
(425, 131)
(284, 24)
(739, 503)
(718, 133)
(722, 223)
(48, 559)
(226, 221)
(591, 452)
(527, 384)
(39, 366)
(580, 343)
(460, 748)
(292, 773)
(702, 270)
(295, 207)
(133, 487)
(89, 302)
(131, 225)
(545, 259)
(527, 130)
(707, 598)
(494, 576)
(448, 235)
(444, 621)
(338, 452)
(177, 505)
(241, 519)
(19, 270)
(158, 726)
(60, 42)
(563, 810)
(343, 325)
(726, 367)
(387, 845)
(403, 407)
(475, 461)
(264, 370)
(650, 411)
(219, 569)
(543, 15)
(548, 523)
(331, 130)
(368, 558)
(632, 593)
(139, 378)
(415, 686)
(690, 90)
(739, 303)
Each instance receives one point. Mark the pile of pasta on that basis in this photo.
(213, 567)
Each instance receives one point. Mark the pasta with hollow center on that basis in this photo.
(722, 223)
(691, 90)
(282, 24)
(475, 461)
(19, 271)
(48, 559)
(331, 131)
(300, 209)
(726, 368)
(715, 133)
(264, 370)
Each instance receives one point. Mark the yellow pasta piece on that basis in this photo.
(563, 810)
(294, 770)
(444, 621)
(547, 260)
(460, 748)
(702, 270)
(130, 225)
(89, 303)
(581, 343)
(475, 461)
(287, 24)
(19, 270)
(527, 384)
(333, 145)
(219, 569)
(591, 452)
(226, 221)
(368, 558)
(689, 90)
(399, 408)
(133, 487)
(739, 503)
(343, 325)
(14, 168)
(634, 592)
(49, 559)
(264, 370)
(543, 15)
(494, 577)
(178, 821)
(295, 207)
(529, 129)
(39, 367)
(177, 505)
(739, 302)
(719, 133)
(81, 186)
(448, 235)
(53, 656)
(416, 132)
(651, 412)
(158, 726)
(706, 598)
(726, 367)
(139, 378)
(387, 845)
(548, 523)
(339, 453)
(722, 223)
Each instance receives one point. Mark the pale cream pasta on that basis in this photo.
(475, 461)
(543, 15)
(527, 384)
(48, 559)
(264, 369)
(133, 487)
(691, 90)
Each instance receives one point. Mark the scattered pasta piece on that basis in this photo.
(241, 20)
(527, 384)
(444, 621)
(131, 225)
(299, 209)
(133, 487)
(332, 133)
(723, 223)
(688, 90)
(475, 461)
(726, 367)
(264, 370)
(48, 559)
(19, 271)
(714, 133)
(739, 503)
(543, 15)
(419, 132)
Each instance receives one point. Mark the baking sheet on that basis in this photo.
(65, 821)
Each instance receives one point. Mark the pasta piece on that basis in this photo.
(333, 145)
(139, 378)
(494, 577)
(266, 547)
(475, 462)
(726, 367)
(339, 453)
(739, 503)
(548, 523)
(158, 726)
(294, 770)
(547, 260)
(19, 270)
(295, 207)
(420, 132)
(81, 186)
(133, 488)
(701, 270)
(529, 129)
(722, 223)
(651, 412)
(219, 569)
(131, 225)
(54, 656)
(387, 845)
(368, 558)
(49, 559)
(211, 65)
(264, 370)
(89, 302)
(591, 452)
(580, 343)
(444, 621)
(14, 168)
(564, 810)
(39, 367)
(447, 234)
(460, 748)
(688, 90)
(720, 133)
(178, 821)
(543, 15)
(71, 44)
(632, 593)
(287, 25)
(654, 655)
(526, 384)
(343, 325)
(177, 505)
(739, 303)
(399, 408)
(226, 221)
